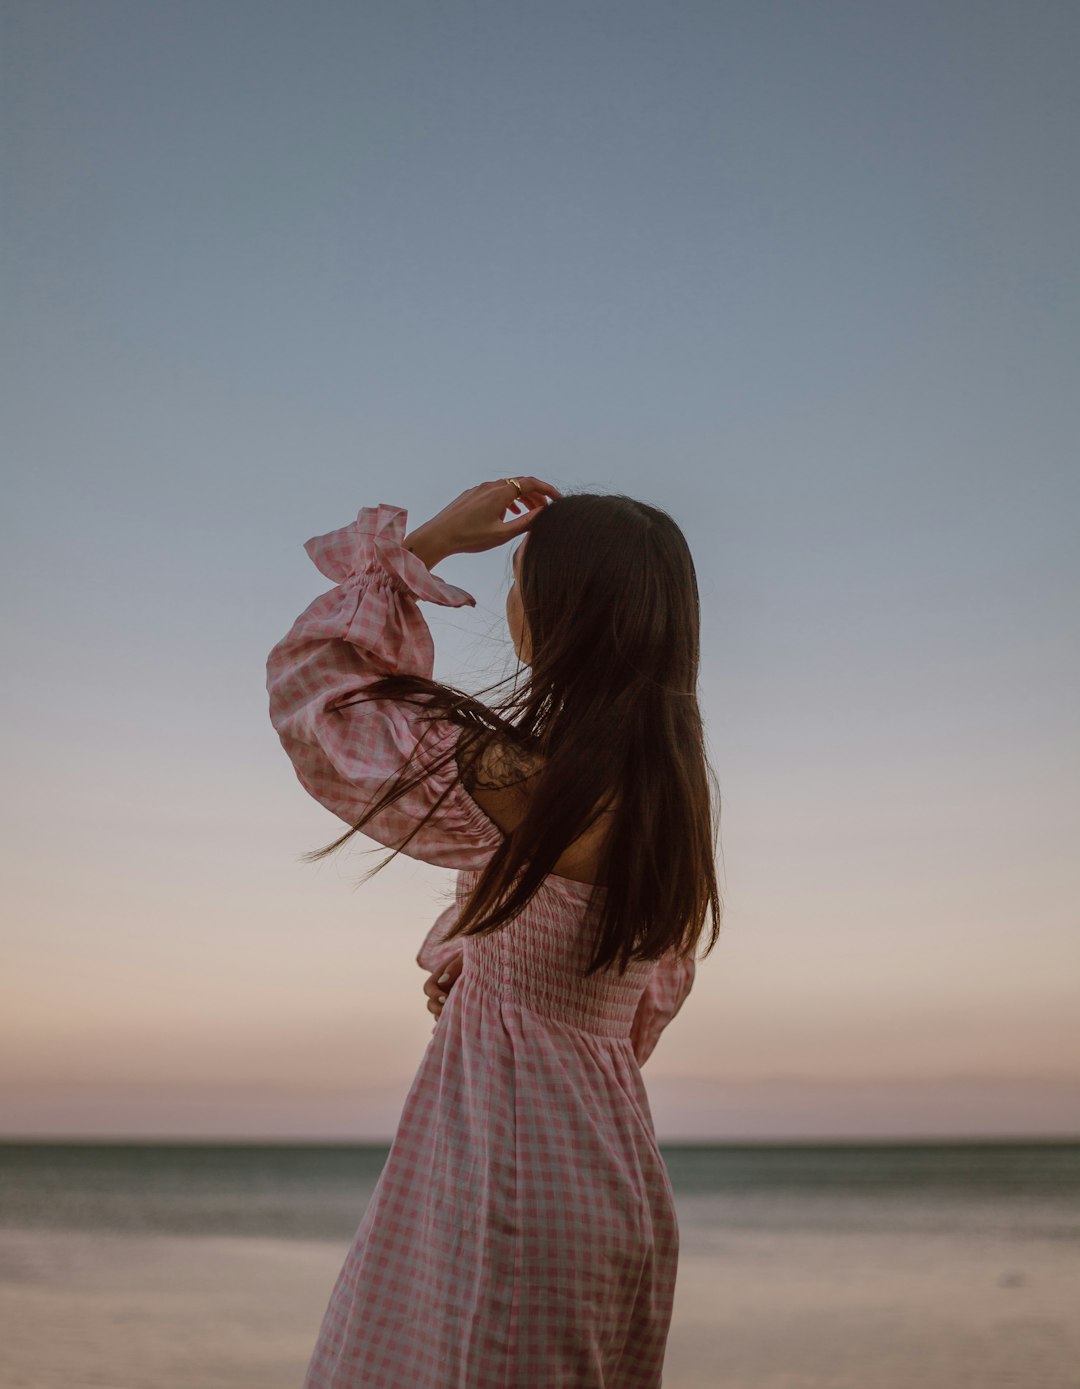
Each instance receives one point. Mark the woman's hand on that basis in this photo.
(474, 520)
(437, 986)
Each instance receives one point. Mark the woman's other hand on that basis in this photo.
(474, 520)
(437, 986)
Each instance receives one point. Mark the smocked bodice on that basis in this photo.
(538, 960)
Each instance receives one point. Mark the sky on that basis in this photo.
(805, 276)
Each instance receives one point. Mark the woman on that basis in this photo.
(522, 1232)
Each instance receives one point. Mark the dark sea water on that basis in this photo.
(802, 1266)
(317, 1191)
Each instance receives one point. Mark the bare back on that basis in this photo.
(497, 778)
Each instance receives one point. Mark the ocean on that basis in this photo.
(802, 1266)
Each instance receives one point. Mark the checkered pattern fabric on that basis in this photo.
(522, 1233)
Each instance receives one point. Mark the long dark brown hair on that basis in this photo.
(606, 719)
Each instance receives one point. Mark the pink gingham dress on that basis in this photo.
(522, 1233)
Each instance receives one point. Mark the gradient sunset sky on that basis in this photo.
(806, 276)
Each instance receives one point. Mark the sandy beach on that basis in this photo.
(755, 1309)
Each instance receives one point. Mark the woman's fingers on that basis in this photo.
(533, 492)
(474, 521)
(438, 984)
(442, 979)
(535, 496)
(524, 506)
(528, 502)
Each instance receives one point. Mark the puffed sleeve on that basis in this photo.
(664, 995)
(436, 952)
(369, 625)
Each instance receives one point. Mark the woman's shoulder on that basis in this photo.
(496, 773)
(490, 761)
(499, 773)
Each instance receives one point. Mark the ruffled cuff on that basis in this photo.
(436, 953)
(374, 544)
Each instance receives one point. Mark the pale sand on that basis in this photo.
(758, 1310)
